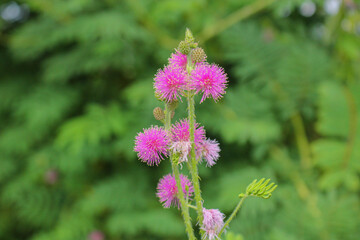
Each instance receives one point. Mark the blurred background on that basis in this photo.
(76, 86)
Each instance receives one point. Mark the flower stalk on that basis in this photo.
(183, 203)
(233, 214)
(193, 161)
(188, 74)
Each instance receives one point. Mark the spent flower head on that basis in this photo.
(213, 223)
(167, 190)
(209, 151)
(151, 145)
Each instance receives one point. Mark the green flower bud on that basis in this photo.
(184, 47)
(158, 114)
(189, 38)
(198, 55)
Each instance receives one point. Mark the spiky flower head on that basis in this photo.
(180, 132)
(169, 83)
(178, 60)
(152, 145)
(213, 223)
(180, 137)
(158, 113)
(210, 80)
(209, 151)
(167, 190)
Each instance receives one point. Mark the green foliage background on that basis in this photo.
(76, 87)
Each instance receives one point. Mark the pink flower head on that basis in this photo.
(209, 79)
(209, 151)
(151, 145)
(180, 133)
(170, 82)
(180, 137)
(178, 60)
(96, 235)
(213, 223)
(167, 190)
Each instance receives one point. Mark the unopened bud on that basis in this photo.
(198, 55)
(158, 114)
(172, 114)
(189, 38)
(184, 47)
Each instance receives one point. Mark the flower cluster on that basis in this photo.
(187, 74)
(208, 79)
(153, 144)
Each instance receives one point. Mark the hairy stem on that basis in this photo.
(175, 169)
(191, 206)
(193, 162)
(233, 214)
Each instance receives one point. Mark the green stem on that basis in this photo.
(175, 169)
(191, 206)
(193, 161)
(233, 214)
(192, 164)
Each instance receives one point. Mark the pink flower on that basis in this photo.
(210, 80)
(180, 132)
(170, 82)
(213, 223)
(167, 190)
(178, 60)
(96, 235)
(151, 145)
(209, 151)
(180, 137)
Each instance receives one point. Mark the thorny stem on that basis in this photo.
(193, 161)
(175, 169)
(233, 214)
